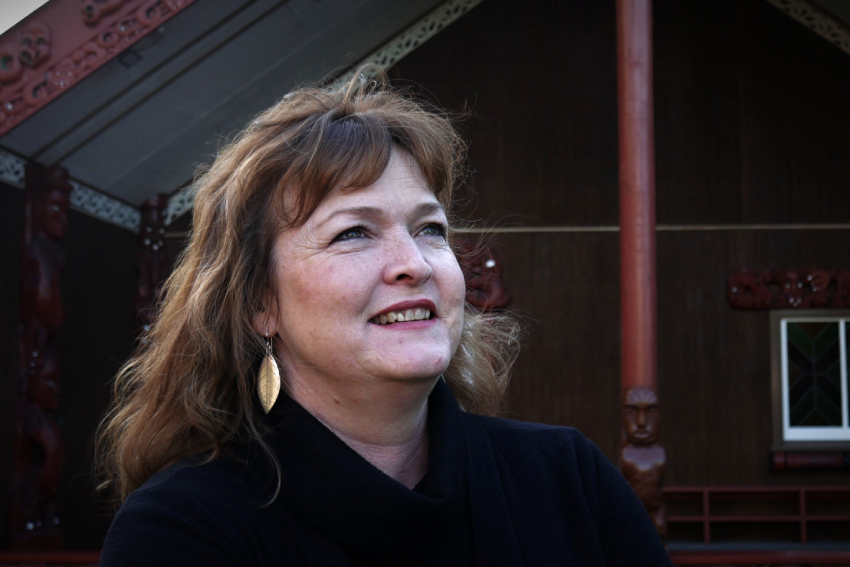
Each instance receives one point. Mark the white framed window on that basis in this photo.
(812, 365)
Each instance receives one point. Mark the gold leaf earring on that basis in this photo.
(269, 382)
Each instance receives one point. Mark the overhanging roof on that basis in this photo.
(142, 123)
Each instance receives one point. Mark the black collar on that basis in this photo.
(334, 489)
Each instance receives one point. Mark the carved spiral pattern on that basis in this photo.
(18, 101)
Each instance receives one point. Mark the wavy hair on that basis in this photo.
(190, 387)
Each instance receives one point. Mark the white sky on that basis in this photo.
(13, 11)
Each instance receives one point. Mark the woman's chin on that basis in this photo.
(420, 366)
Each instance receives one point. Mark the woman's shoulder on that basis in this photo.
(555, 460)
(548, 465)
(187, 486)
(544, 441)
(195, 511)
(197, 475)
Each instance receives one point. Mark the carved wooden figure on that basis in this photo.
(642, 459)
(482, 271)
(38, 452)
(781, 289)
(151, 262)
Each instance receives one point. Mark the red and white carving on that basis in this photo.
(107, 28)
(778, 289)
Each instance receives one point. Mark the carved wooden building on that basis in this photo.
(695, 260)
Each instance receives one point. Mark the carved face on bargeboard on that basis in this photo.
(640, 415)
(34, 45)
(52, 214)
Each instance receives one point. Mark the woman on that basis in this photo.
(321, 245)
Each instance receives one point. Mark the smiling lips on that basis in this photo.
(406, 311)
(417, 314)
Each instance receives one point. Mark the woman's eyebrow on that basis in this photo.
(429, 208)
(376, 212)
(362, 211)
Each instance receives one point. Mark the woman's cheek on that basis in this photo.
(460, 283)
(456, 297)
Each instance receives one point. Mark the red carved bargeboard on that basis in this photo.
(63, 42)
(778, 289)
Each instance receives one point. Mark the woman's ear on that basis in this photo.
(265, 317)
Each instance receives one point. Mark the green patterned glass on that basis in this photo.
(814, 374)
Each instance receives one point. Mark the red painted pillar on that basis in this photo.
(643, 459)
(637, 193)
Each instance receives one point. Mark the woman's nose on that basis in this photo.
(405, 262)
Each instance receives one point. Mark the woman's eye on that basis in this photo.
(434, 229)
(351, 233)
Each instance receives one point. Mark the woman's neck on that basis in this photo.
(387, 426)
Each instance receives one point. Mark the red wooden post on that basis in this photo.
(642, 459)
(637, 193)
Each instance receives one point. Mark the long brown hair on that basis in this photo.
(189, 388)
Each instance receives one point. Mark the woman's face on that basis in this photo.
(363, 258)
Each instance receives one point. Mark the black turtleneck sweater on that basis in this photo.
(497, 493)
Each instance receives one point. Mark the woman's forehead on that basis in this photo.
(401, 188)
(401, 174)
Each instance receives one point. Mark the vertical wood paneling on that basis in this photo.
(698, 161)
(714, 361)
(566, 288)
(795, 118)
(98, 336)
(11, 232)
(539, 81)
(751, 127)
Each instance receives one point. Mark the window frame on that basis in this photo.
(778, 382)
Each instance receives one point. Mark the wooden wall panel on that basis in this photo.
(714, 361)
(566, 289)
(539, 80)
(698, 162)
(11, 232)
(750, 119)
(751, 125)
(751, 116)
(98, 336)
(794, 87)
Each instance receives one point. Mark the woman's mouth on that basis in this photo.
(401, 316)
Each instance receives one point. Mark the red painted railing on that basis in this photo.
(814, 512)
(804, 508)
